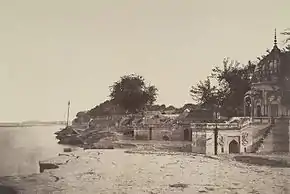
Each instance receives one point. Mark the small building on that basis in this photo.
(171, 127)
(203, 138)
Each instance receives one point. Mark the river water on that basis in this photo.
(21, 148)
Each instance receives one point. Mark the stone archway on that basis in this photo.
(247, 106)
(165, 138)
(234, 147)
(187, 134)
(274, 110)
(259, 111)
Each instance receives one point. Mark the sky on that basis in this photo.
(59, 50)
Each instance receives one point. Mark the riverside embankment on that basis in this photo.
(142, 171)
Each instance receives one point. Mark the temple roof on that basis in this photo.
(274, 67)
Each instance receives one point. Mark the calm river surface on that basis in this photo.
(21, 148)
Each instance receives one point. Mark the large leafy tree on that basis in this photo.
(81, 117)
(233, 81)
(205, 94)
(287, 40)
(104, 109)
(132, 93)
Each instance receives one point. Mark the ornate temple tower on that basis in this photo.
(270, 90)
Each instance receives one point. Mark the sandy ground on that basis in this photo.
(115, 171)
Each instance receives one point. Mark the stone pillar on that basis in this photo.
(245, 114)
(209, 142)
(252, 107)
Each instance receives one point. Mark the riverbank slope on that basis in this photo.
(137, 171)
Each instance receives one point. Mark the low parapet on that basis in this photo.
(214, 125)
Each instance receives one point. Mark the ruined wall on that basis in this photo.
(160, 133)
(178, 133)
(141, 134)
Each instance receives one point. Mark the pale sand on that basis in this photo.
(113, 171)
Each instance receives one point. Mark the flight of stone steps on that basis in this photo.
(258, 132)
(277, 141)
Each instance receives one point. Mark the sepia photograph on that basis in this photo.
(144, 97)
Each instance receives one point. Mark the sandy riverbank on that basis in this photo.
(131, 172)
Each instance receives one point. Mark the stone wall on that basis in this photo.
(199, 142)
(160, 133)
(225, 137)
(203, 141)
(261, 120)
(141, 134)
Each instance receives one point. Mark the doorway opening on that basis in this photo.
(274, 110)
(259, 111)
(234, 147)
(187, 135)
(150, 133)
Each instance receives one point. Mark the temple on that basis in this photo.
(264, 128)
(270, 90)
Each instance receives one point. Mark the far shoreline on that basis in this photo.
(31, 124)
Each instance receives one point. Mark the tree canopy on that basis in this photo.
(287, 39)
(132, 93)
(233, 81)
(105, 108)
(205, 94)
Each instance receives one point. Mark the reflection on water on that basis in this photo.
(21, 148)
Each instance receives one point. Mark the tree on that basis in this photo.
(205, 94)
(81, 117)
(233, 81)
(287, 34)
(104, 109)
(132, 93)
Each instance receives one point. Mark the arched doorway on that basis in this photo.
(259, 111)
(274, 110)
(165, 138)
(187, 134)
(234, 147)
(247, 107)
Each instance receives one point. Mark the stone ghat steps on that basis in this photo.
(277, 140)
(258, 132)
(254, 129)
(260, 138)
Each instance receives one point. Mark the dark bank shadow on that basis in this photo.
(7, 190)
(262, 161)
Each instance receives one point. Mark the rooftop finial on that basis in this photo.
(275, 38)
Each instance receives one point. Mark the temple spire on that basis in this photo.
(275, 38)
